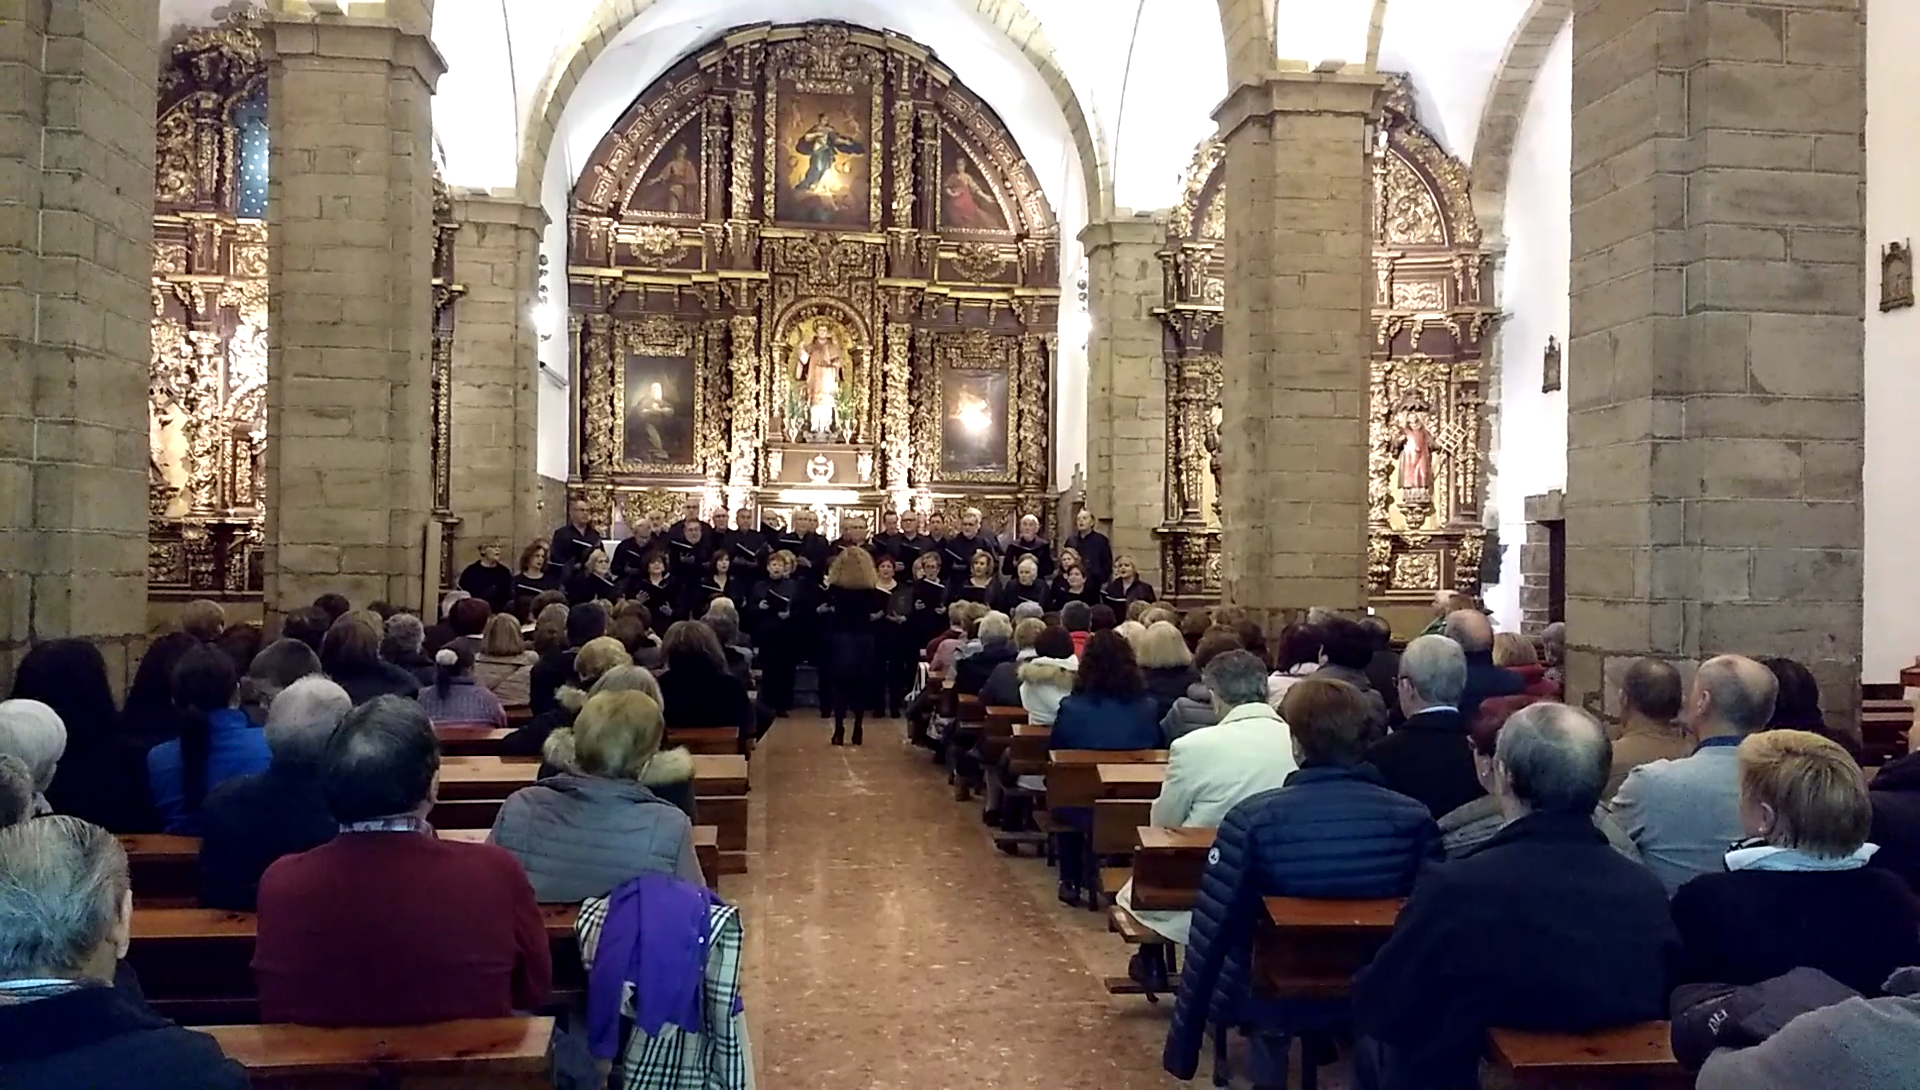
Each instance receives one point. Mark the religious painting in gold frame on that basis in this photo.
(669, 187)
(820, 376)
(974, 438)
(968, 203)
(823, 153)
(657, 390)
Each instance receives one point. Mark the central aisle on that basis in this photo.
(890, 946)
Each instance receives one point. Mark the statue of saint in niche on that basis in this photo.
(1416, 451)
(822, 362)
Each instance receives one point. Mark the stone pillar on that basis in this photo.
(76, 245)
(1127, 386)
(1714, 378)
(349, 474)
(495, 364)
(1298, 339)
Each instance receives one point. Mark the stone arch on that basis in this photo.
(1252, 35)
(1520, 66)
(1011, 17)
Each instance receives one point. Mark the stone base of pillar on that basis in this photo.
(1126, 387)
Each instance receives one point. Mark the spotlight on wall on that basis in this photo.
(545, 314)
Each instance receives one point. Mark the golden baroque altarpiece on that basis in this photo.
(208, 379)
(807, 268)
(1433, 317)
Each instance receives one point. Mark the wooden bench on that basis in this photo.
(1073, 775)
(518, 715)
(1639, 1056)
(1130, 781)
(463, 778)
(470, 741)
(1027, 749)
(478, 1053)
(1309, 948)
(196, 964)
(1116, 823)
(996, 730)
(1167, 865)
(1885, 720)
(711, 741)
(165, 869)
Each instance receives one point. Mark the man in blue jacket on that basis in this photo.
(1334, 831)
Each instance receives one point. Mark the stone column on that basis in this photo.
(349, 476)
(1714, 376)
(1127, 386)
(1297, 342)
(76, 246)
(495, 364)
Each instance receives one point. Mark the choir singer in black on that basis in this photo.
(488, 579)
(572, 542)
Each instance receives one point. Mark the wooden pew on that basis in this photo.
(478, 1053)
(1885, 720)
(1167, 865)
(1310, 949)
(996, 730)
(195, 964)
(165, 869)
(706, 847)
(1639, 1056)
(518, 715)
(470, 741)
(713, 741)
(1073, 775)
(1028, 749)
(463, 778)
(1131, 781)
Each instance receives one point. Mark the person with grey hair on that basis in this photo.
(1473, 631)
(387, 924)
(66, 914)
(995, 635)
(16, 791)
(1546, 926)
(34, 733)
(1210, 770)
(1683, 813)
(250, 821)
(404, 646)
(1553, 643)
(1428, 757)
(1027, 609)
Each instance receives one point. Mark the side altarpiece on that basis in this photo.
(207, 382)
(1433, 320)
(807, 268)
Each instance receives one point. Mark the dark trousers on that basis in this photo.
(777, 665)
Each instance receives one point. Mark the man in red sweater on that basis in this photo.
(385, 924)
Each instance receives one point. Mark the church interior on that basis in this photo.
(1315, 315)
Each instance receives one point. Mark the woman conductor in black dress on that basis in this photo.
(853, 609)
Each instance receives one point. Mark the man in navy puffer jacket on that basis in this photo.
(1334, 831)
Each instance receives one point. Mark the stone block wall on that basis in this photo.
(495, 366)
(1536, 561)
(76, 238)
(1127, 386)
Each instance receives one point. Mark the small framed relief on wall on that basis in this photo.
(1896, 275)
(1550, 367)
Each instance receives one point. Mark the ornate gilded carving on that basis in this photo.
(979, 261)
(1409, 216)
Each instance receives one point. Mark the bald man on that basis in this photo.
(1683, 814)
(1471, 629)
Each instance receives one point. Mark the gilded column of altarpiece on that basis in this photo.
(811, 269)
(207, 384)
(1433, 318)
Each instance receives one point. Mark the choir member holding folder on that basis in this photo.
(1126, 587)
(535, 576)
(592, 582)
(688, 552)
(748, 548)
(572, 542)
(1025, 586)
(1029, 543)
(979, 584)
(719, 582)
(657, 589)
(778, 603)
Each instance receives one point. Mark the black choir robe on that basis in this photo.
(1120, 597)
(491, 584)
(1041, 552)
(571, 546)
(586, 587)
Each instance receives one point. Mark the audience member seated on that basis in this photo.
(1855, 1044)
(278, 665)
(241, 642)
(1545, 928)
(1049, 677)
(149, 714)
(667, 775)
(1683, 813)
(455, 695)
(203, 619)
(633, 627)
(1299, 656)
(250, 821)
(504, 665)
(1471, 629)
(309, 625)
(697, 688)
(1464, 829)
(350, 654)
(1332, 831)
(217, 741)
(1799, 893)
(1077, 619)
(1383, 666)
(584, 833)
(1002, 688)
(403, 644)
(1109, 707)
(1651, 694)
(17, 791)
(32, 733)
(1428, 756)
(66, 909)
(1194, 709)
(1553, 648)
(102, 776)
(596, 658)
(1346, 649)
(583, 623)
(467, 620)
(1210, 771)
(1166, 665)
(387, 924)
(1896, 818)
(996, 648)
(335, 606)
(1797, 705)
(1514, 653)
(1445, 604)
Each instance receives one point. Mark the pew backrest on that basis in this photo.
(481, 1053)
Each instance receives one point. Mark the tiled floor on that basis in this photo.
(891, 947)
